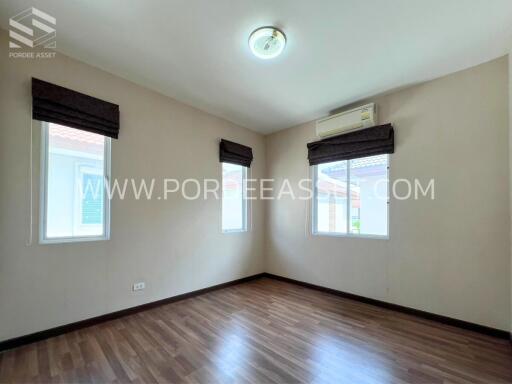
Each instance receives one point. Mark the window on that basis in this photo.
(234, 202)
(74, 167)
(351, 197)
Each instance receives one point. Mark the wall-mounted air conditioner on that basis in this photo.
(364, 116)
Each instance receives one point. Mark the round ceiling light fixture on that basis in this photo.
(267, 42)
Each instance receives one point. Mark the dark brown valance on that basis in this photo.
(234, 153)
(60, 105)
(372, 141)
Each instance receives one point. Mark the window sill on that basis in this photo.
(354, 236)
(66, 240)
(234, 231)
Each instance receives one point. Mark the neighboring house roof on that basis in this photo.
(363, 167)
(332, 179)
(368, 161)
(75, 139)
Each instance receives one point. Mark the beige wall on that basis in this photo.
(450, 256)
(161, 243)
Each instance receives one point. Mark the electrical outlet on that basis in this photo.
(139, 286)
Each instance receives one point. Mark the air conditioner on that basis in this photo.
(354, 119)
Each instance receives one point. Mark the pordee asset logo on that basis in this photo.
(32, 35)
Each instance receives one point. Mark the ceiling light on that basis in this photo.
(267, 42)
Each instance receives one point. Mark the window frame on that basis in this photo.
(314, 209)
(245, 206)
(43, 194)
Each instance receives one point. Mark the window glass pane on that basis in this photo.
(369, 195)
(331, 197)
(75, 191)
(92, 198)
(233, 197)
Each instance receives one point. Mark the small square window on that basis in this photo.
(351, 197)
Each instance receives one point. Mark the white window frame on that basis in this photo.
(43, 194)
(245, 206)
(314, 209)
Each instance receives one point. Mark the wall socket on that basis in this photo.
(139, 286)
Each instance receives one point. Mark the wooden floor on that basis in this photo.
(264, 331)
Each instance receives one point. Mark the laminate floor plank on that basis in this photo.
(263, 331)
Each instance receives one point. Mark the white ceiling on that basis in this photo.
(339, 51)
